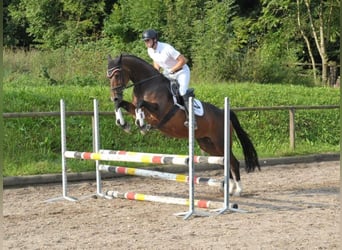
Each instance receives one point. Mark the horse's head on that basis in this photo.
(118, 78)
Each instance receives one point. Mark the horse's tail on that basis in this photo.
(251, 156)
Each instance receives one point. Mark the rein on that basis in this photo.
(142, 81)
(111, 72)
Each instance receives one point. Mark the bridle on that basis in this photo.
(110, 74)
(122, 86)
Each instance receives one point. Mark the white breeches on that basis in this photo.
(183, 78)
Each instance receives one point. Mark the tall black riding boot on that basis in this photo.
(186, 110)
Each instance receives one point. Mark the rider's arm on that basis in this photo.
(156, 66)
(181, 61)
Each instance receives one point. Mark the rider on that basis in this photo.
(173, 64)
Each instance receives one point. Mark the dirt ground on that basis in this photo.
(288, 207)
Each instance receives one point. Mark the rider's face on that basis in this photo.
(149, 43)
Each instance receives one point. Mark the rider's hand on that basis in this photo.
(168, 73)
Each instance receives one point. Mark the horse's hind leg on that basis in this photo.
(235, 186)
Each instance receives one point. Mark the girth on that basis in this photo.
(168, 116)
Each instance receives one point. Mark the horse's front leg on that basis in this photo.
(120, 121)
(140, 117)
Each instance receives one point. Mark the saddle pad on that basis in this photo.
(198, 107)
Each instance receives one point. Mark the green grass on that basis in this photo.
(37, 80)
(32, 146)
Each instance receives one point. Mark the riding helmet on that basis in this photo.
(150, 34)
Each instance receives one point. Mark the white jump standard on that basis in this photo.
(126, 156)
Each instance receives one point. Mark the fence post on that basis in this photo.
(292, 128)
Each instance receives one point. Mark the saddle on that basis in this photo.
(174, 87)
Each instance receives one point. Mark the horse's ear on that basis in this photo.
(109, 57)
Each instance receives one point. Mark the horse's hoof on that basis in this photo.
(145, 129)
(127, 128)
(143, 132)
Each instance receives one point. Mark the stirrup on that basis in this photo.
(186, 124)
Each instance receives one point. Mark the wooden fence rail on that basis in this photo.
(291, 109)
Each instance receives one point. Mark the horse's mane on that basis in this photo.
(136, 57)
(115, 62)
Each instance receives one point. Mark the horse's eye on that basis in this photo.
(116, 77)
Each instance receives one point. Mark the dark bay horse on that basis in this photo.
(154, 103)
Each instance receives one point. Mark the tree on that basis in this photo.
(128, 19)
(15, 34)
(211, 41)
(318, 20)
(180, 18)
(242, 40)
(277, 45)
(56, 23)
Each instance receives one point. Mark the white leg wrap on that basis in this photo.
(238, 190)
(139, 117)
(231, 186)
(119, 117)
